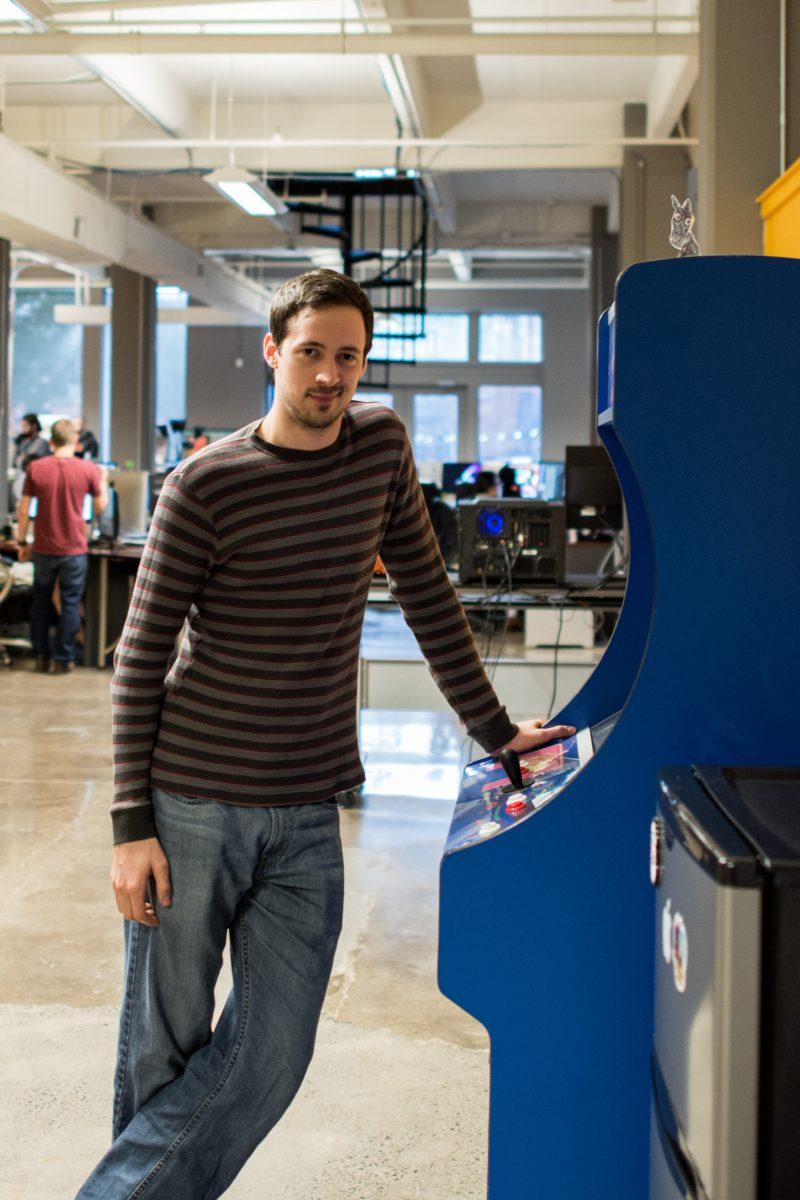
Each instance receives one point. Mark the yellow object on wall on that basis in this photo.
(780, 210)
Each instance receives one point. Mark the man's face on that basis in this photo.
(318, 364)
(26, 429)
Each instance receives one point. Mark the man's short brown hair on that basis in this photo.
(318, 289)
(63, 433)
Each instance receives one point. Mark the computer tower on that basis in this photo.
(510, 540)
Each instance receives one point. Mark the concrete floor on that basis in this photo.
(395, 1102)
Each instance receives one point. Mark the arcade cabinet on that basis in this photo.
(546, 910)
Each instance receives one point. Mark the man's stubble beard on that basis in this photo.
(306, 414)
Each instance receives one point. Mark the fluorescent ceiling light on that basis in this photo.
(331, 259)
(375, 172)
(247, 191)
(461, 264)
(26, 10)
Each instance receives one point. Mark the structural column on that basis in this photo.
(92, 374)
(650, 174)
(743, 83)
(5, 373)
(133, 357)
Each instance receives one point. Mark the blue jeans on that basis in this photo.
(70, 571)
(190, 1105)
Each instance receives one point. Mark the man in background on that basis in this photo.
(199, 440)
(28, 445)
(508, 482)
(88, 445)
(486, 483)
(60, 484)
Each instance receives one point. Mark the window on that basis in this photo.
(172, 343)
(435, 428)
(47, 374)
(509, 423)
(385, 398)
(446, 338)
(510, 338)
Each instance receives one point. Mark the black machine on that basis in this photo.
(516, 541)
(725, 856)
(592, 491)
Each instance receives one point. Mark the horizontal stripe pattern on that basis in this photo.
(269, 553)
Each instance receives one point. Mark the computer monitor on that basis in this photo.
(551, 480)
(455, 474)
(591, 489)
(107, 523)
(541, 481)
(133, 496)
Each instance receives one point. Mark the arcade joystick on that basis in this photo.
(512, 768)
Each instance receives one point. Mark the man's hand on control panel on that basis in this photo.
(531, 735)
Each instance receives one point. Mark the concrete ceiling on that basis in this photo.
(510, 111)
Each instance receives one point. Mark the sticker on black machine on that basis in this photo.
(675, 944)
(680, 952)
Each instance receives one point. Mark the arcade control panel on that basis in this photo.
(497, 793)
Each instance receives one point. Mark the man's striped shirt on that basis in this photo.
(269, 553)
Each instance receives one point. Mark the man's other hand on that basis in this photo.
(134, 863)
(24, 553)
(531, 735)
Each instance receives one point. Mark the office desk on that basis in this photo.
(109, 583)
(112, 570)
(609, 596)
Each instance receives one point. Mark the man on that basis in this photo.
(88, 445)
(508, 482)
(199, 440)
(228, 761)
(486, 483)
(60, 484)
(28, 445)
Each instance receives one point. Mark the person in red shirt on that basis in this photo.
(60, 484)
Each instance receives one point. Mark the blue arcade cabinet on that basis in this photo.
(546, 919)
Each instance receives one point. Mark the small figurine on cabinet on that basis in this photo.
(680, 234)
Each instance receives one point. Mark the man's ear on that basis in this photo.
(364, 367)
(270, 351)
